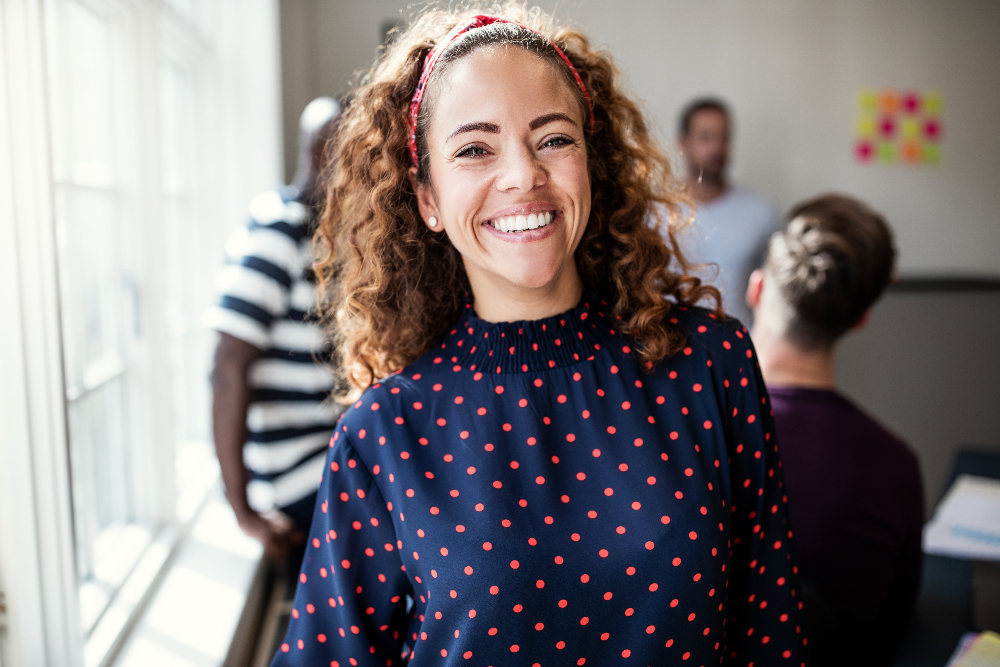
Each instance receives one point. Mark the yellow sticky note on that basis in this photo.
(910, 128)
(867, 100)
(933, 103)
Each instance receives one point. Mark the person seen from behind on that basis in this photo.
(854, 488)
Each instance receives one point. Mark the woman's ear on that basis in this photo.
(425, 202)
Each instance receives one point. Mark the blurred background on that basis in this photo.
(135, 132)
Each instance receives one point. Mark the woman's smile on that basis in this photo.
(526, 223)
(522, 223)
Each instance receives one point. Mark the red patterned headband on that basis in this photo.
(477, 21)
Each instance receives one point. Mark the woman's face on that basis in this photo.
(508, 173)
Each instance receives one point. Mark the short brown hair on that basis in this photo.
(697, 106)
(831, 262)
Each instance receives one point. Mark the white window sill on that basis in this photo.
(209, 597)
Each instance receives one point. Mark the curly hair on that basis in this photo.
(390, 288)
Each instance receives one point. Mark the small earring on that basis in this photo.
(432, 221)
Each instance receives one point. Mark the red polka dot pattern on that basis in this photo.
(529, 497)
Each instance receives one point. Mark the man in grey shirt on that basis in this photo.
(731, 226)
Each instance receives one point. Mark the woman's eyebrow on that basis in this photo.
(549, 118)
(492, 128)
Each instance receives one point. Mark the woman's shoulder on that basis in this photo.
(395, 400)
(703, 328)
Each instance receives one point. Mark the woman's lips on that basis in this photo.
(552, 220)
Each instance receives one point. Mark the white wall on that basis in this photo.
(926, 367)
(791, 70)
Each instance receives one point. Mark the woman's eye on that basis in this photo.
(557, 141)
(471, 151)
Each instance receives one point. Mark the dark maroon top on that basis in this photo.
(857, 508)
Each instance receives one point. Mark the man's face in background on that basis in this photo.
(706, 144)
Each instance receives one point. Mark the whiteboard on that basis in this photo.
(791, 71)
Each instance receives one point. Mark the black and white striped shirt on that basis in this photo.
(266, 292)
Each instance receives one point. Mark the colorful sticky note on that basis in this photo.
(932, 154)
(887, 126)
(911, 152)
(932, 129)
(867, 101)
(898, 127)
(911, 103)
(888, 102)
(887, 152)
(863, 150)
(865, 127)
(933, 103)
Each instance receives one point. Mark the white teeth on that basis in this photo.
(517, 223)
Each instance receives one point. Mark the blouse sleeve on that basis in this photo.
(764, 625)
(350, 606)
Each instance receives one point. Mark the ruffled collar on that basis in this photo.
(529, 346)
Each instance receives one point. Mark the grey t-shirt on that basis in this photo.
(732, 233)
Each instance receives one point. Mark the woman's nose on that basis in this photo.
(520, 170)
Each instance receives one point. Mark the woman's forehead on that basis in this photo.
(501, 80)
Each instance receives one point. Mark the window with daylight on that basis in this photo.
(125, 171)
(102, 283)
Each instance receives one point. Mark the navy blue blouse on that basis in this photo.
(524, 494)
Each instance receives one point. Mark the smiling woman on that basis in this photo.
(553, 456)
(574, 128)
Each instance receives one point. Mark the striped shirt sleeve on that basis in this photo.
(263, 262)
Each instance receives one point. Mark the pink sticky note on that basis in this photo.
(933, 129)
(863, 151)
(887, 126)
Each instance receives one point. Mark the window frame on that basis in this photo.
(133, 185)
(39, 603)
(35, 511)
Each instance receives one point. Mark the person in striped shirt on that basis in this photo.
(271, 411)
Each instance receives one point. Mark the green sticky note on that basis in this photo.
(932, 154)
(886, 152)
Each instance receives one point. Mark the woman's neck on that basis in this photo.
(503, 303)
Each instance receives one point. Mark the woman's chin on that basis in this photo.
(531, 275)
(533, 282)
